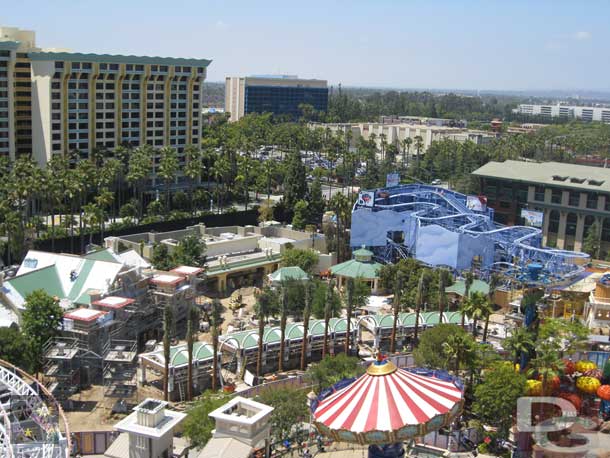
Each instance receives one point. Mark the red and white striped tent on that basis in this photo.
(388, 405)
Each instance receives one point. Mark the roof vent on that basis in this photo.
(596, 182)
(559, 178)
(577, 180)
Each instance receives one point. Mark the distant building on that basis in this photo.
(280, 95)
(569, 197)
(56, 102)
(565, 111)
(396, 133)
(447, 122)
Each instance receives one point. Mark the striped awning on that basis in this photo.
(388, 404)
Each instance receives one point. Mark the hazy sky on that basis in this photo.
(486, 44)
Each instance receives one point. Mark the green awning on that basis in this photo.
(293, 273)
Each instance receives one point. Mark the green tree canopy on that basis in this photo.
(198, 425)
(319, 300)
(305, 259)
(41, 321)
(289, 408)
(12, 345)
(430, 351)
(333, 369)
(496, 397)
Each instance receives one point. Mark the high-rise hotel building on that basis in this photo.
(58, 102)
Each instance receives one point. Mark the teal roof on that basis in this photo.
(101, 255)
(357, 269)
(117, 58)
(362, 252)
(178, 355)
(459, 287)
(46, 279)
(83, 275)
(289, 273)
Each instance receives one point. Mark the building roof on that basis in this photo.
(130, 424)
(64, 276)
(289, 273)
(83, 314)
(101, 255)
(117, 58)
(8, 44)
(549, 173)
(357, 269)
(459, 287)
(114, 302)
(225, 447)
(187, 270)
(166, 279)
(179, 354)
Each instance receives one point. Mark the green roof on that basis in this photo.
(178, 355)
(101, 255)
(559, 174)
(289, 273)
(459, 287)
(46, 278)
(362, 252)
(117, 58)
(357, 269)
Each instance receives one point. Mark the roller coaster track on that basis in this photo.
(25, 400)
(433, 205)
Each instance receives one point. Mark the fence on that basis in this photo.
(73, 244)
(92, 442)
(300, 381)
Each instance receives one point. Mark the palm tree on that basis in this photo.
(192, 326)
(264, 307)
(546, 364)
(406, 148)
(419, 301)
(494, 281)
(468, 280)
(443, 280)
(215, 322)
(398, 282)
(455, 348)
(419, 144)
(168, 167)
(140, 167)
(306, 315)
(477, 308)
(283, 318)
(520, 342)
(349, 304)
(220, 171)
(327, 314)
(168, 323)
(192, 169)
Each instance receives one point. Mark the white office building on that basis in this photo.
(601, 114)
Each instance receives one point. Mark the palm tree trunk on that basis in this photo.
(417, 312)
(394, 326)
(305, 343)
(348, 335)
(280, 364)
(215, 362)
(325, 346)
(259, 356)
(485, 331)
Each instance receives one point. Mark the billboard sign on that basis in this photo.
(392, 179)
(476, 203)
(366, 198)
(532, 218)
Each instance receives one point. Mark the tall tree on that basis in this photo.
(468, 280)
(41, 321)
(215, 322)
(327, 314)
(306, 316)
(192, 326)
(168, 324)
(398, 285)
(419, 301)
(284, 291)
(443, 280)
(295, 184)
(350, 286)
(264, 307)
(168, 168)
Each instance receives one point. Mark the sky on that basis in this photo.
(437, 44)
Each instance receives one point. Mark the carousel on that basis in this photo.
(388, 406)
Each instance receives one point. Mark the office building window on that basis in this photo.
(556, 195)
(574, 199)
(539, 193)
(571, 222)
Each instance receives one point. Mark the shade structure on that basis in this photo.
(388, 405)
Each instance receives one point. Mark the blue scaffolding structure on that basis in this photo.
(436, 226)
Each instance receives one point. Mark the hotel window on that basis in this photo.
(574, 200)
(86, 65)
(114, 66)
(59, 64)
(103, 66)
(571, 222)
(591, 200)
(556, 196)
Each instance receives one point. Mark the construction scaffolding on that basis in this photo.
(120, 368)
(61, 367)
